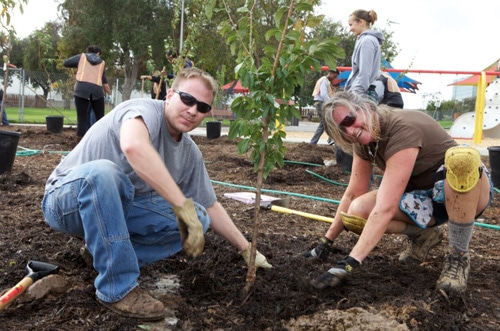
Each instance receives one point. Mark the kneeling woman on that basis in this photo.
(428, 181)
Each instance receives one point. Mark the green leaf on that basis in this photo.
(209, 8)
(279, 15)
(273, 33)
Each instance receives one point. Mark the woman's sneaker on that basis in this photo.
(419, 245)
(321, 250)
(455, 272)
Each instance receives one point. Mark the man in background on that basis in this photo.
(159, 88)
(5, 121)
(323, 90)
(392, 94)
(91, 84)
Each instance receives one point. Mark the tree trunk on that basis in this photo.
(252, 270)
(131, 71)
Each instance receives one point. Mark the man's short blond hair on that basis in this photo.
(196, 73)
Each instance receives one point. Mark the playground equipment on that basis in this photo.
(485, 120)
(464, 125)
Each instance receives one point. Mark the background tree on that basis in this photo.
(339, 29)
(466, 105)
(450, 107)
(7, 34)
(7, 45)
(327, 28)
(129, 32)
(40, 57)
(209, 47)
(8, 6)
(135, 36)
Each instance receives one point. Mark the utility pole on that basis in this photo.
(182, 28)
(6, 60)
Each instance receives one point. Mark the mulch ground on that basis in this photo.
(210, 295)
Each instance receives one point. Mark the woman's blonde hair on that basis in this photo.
(358, 105)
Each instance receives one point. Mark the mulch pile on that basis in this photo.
(210, 295)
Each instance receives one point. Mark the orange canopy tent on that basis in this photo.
(474, 79)
(235, 87)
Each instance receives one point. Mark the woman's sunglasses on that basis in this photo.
(190, 101)
(348, 121)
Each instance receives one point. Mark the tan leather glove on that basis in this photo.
(260, 260)
(190, 228)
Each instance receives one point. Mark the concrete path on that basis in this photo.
(304, 131)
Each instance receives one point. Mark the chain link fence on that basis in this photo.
(24, 91)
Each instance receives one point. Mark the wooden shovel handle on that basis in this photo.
(301, 213)
(14, 292)
(159, 85)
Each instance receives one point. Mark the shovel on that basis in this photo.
(284, 210)
(159, 85)
(275, 204)
(35, 270)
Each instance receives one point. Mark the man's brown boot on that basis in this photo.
(137, 304)
(86, 256)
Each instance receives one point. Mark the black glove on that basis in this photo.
(321, 251)
(337, 274)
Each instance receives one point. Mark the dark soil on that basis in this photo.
(211, 285)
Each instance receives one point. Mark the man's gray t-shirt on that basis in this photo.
(183, 159)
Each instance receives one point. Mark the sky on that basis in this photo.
(449, 35)
(36, 14)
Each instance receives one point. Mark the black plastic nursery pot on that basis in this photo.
(214, 129)
(54, 123)
(8, 149)
(494, 154)
(343, 159)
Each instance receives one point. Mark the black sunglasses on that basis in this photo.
(348, 121)
(190, 101)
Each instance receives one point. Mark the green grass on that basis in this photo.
(446, 124)
(37, 115)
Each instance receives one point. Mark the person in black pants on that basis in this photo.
(323, 90)
(159, 81)
(91, 84)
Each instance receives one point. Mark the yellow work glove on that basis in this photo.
(190, 228)
(353, 223)
(260, 260)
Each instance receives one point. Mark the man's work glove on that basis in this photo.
(190, 228)
(321, 251)
(260, 260)
(337, 274)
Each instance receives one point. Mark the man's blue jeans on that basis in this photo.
(320, 129)
(123, 232)
(5, 121)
